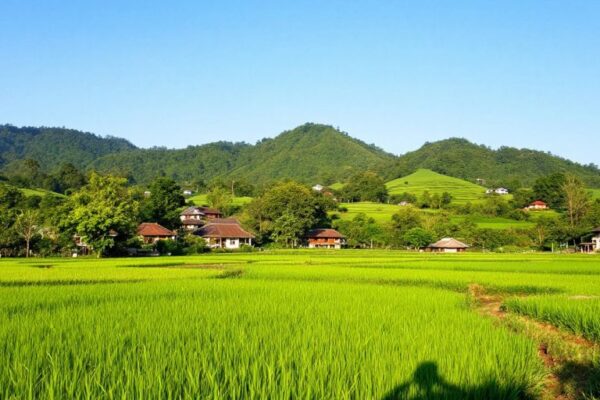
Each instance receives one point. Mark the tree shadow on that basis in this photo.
(581, 378)
(427, 384)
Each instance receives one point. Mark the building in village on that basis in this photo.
(324, 239)
(224, 233)
(447, 245)
(501, 191)
(537, 205)
(151, 232)
(193, 218)
(593, 245)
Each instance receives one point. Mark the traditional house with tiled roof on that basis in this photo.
(448, 245)
(151, 232)
(324, 238)
(226, 233)
(193, 218)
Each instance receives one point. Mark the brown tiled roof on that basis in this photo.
(153, 229)
(324, 233)
(448, 243)
(224, 228)
(597, 230)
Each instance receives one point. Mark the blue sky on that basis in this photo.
(394, 73)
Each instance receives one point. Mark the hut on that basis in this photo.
(447, 245)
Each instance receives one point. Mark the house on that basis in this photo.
(593, 245)
(318, 188)
(324, 239)
(193, 218)
(537, 205)
(501, 191)
(151, 232)
(225, 233)
(187, 192)
(147, 193)
(404, 203)
(447, 245)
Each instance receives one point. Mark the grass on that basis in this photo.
(286, 324)
(200, 199)
(424, 179)
(595, 193)
(378, 211)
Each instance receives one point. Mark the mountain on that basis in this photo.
(433, 182)
(54, 146)
(310, 153)
(462, 159)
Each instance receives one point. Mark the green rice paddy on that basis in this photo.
(296, 324)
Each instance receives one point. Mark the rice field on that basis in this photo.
(287, 324)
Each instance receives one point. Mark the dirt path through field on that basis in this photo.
(572, 374)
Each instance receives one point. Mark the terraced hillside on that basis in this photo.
(424, 179)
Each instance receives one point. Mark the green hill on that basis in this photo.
(310, 153)
(424, 179)
(463, 159)
(54, 146)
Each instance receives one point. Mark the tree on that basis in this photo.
(26, 226)
(219, 198)
(287, 229)
(361, 231)
(406, 219)
(163, 204)
(446, 199)
(104, 212)
(365, 186)
(418, 238)
(550, 189)
(286, 211)
(577, 200)
(522, 198)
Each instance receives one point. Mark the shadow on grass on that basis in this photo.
(65, 282)
(427, 384)
(583, 379)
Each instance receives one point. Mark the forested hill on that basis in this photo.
(462, 159)
(51, 147)
(309, 153)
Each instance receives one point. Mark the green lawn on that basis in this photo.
(424, 179)
(200, 199)
(378, 211)
(290, 324)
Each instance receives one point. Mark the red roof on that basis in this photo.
(223, 228)
(192, 222)
(154, 229)
(324, 233)
(538, 203)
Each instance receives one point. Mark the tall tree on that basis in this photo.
(26, 226)
(163, 204)
(219, 198)
(287, 210)
(103, 212)
(577, 200)
(550, 189)
(365, 186)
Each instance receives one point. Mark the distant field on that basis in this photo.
(495, 222)
(289, 324)
(424, 179)
(200, 199)
(379, 212)
(595, 193)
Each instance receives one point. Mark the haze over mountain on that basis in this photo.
(310, 153)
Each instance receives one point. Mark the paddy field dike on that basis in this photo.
(350, 324)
